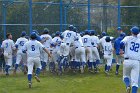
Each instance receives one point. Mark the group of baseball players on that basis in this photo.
(70, 50)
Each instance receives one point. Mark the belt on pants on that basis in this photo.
(80, 46)
(127, 58)
(67, 43)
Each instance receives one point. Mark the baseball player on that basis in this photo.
(86, 39)
(8, 47)
(131, 60)
(79, 53)
(33, 49)
(101, 42)
(69, 37)
(95, 53)
(119, 29)
(47, 41)
(119, 58)
(56, 42)
(20, 55)
(108, 53)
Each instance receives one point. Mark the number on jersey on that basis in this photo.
(68, 35)
(21, 43)
(85, 40)
(33, 47)
(134, 46)
(6, 45)
(106, 48)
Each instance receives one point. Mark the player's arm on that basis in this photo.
(122, 45)
(45, 49)
(24, 49)
(17, 44)
(13, 45)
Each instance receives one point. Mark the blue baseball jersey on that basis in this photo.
(117, 45)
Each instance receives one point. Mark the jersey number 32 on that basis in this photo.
(135, 47)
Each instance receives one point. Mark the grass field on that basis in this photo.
(68, 83)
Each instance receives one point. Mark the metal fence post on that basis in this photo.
(30, 15)
(61, 15)
(119, 14)
(65, 17)
(88, 14)
(4, 19)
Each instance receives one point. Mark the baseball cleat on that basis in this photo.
(116, 73)
(107, 73)
(128, 89)
(30, 85)
(37, 78)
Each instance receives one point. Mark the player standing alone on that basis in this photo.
(131, 60)
(33, 49)
(8, 47)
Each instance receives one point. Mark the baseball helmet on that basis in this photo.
(119, 28)
(87, 32)
(107, 39)
(33, 35)
(23, 33)
(92, 32)
(74, 29)
(71, 27)
(135, 30)
(46, 30)
(103, 33)
(35, 31)
(122, 34)
(57, 33)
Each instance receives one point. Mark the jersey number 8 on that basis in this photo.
(33, 47)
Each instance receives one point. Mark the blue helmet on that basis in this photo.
(57, 33)
(92, 32)
(122, 34)
(23, 33)
(74, 29)
(87, 32)
(135, 30)
(82, 33)
(107, 39)
(119, 28)
(71, 27)
(46, 31)
(103, 33)
(33, 35)
(35, 31)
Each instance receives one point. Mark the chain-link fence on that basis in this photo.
(101, 15)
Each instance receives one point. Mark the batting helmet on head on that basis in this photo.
(107, 39)
(35, 31)
(57, 33)
(135, 30)
(23, 33)
(92, 32)
(46, 31)
(119, 28)
(87, 32)
(71, 27)
(74, 29)
(33, 35)
(122, 34)
(103, 33)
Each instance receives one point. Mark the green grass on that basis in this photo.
(68, 83)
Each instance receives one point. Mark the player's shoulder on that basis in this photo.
(128, 37)
(10, 40)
